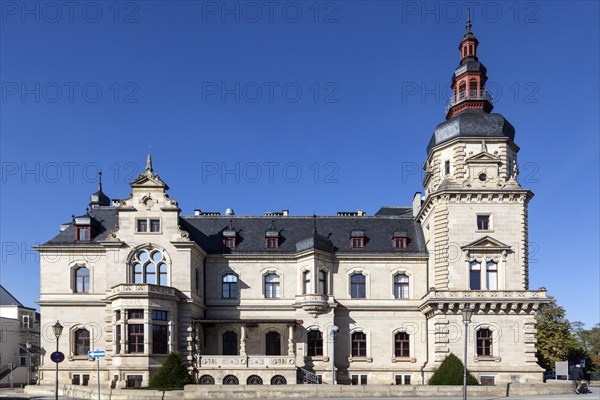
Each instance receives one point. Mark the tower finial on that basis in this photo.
(149, 163)
(469, 19)
(100, 181)
(314, 224)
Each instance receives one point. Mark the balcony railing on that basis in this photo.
(137, 289)
(313, 303)
(469, 95)
(253, 361)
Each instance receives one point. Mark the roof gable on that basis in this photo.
(486, 243)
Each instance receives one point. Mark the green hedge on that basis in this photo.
(451, 373)
(172, 375)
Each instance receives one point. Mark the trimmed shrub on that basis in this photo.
(172, 375)
(451, 373)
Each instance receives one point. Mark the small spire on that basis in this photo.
(469, 19)
(99, 181)
(314, 224)
(87, 211)
(149, 163)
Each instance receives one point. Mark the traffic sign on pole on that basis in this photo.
(57, 357)
(96, 353)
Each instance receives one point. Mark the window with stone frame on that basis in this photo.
(484, 342)
(135, 338)
(315, 343)
(160, 339)
(401, 344)
(149, 266)
(82, 280)
(273, 344)
(359, 344)
(358, 286)
(272, 286)
(306, 287)
(323, 282)
(82, 342)
(401, 286)
(229, 286)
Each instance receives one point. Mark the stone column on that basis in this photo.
(291, 340)
(243, 340)
(147, 332)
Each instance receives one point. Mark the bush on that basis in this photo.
(172, 375)
(451, 373)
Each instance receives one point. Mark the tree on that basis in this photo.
(451, 373)
(589, 342)
(172, 375)
(554, 338)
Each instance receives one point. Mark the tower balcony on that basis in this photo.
(470, 95)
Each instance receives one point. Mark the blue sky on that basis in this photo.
(314, 107)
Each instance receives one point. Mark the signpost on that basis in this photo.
(97, 354)
(11, 368)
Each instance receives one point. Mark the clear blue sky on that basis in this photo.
(308, 106)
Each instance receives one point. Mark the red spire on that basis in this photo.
(468, 81)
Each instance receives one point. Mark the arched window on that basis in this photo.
(149, 267)
(461, 90)
(475, 275)
(82, 280)
(492, 275)
(306, 289)
(359, 344)
(315, 343)
(322, 282)
(273, 344)
(401, 286)
(230, 286)
(401, 344)
(272, 286)
(82, 342)
(230, 343)
(484, 342)
(358, 286)
(473, 87)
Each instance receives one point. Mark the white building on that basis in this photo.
(252, 299)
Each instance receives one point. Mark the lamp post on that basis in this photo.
(334, 329)
(466, 314)
(28, 346)
(57, 328)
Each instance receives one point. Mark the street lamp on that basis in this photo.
(334, 329)
(466, 314)
(57, 328)
(28, 345)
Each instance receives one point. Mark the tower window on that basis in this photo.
(306, 289)
(483, 222)
(447, 167)
(322, 282)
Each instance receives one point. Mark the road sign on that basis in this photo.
(96, 353)
(57, 357)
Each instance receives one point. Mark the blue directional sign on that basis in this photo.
(96, 353)
(57, 357)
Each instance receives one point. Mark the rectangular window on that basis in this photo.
(354, 380)
(25, 321)
(447, 167)
(135, 338)
(134, 381)
(118, 315)
(475, 276)
(398, 379)
(306, 282)
(363, 379)
(357, 243)
(135, 314)
(118, 339)
(85, 379)
(272, 243)
(359, 344)
(322, 282)
(158, 315)
(484, 342)
(160, 339)
(155, 225)
(487, 380)
(400, 243)
(229, 242)
(83, 233)
(492, 275)
(75, 379)
(142, 225)
(407, 379)
(483, 222)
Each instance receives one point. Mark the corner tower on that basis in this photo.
(474, 208)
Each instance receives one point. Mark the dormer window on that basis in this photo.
(83, 228)
(357, 239)
(400, 243)
(272, 239)
(83, 233)
(229, 238)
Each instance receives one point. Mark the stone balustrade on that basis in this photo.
(250, 361)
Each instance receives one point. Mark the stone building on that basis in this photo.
(253, 299)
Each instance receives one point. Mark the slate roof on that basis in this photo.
(296, 233)
(7, 299)
(472, 123)
(103, 220)
(379, 230)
